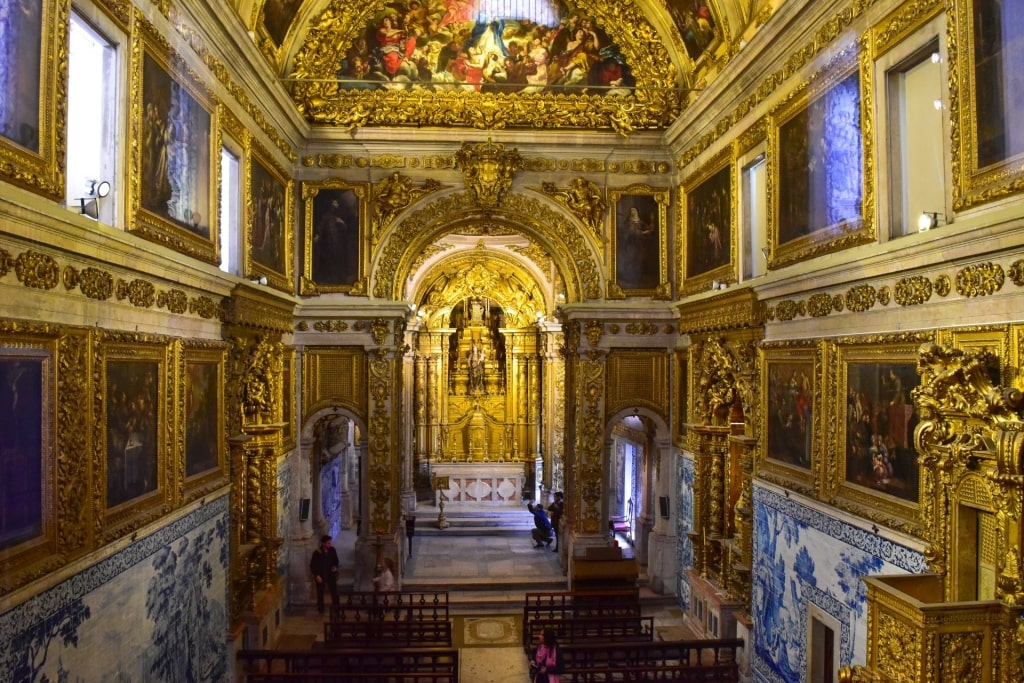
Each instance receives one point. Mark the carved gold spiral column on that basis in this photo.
(552, 408)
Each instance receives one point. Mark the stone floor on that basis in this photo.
(486, 575)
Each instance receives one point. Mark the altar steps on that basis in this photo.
(476, 522)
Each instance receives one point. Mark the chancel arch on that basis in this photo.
(552, 234)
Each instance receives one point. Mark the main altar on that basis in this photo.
(477, 380)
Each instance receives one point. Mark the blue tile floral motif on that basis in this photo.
(803, 557)
(155, 610)
(287, 511)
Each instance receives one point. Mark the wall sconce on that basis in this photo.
(90, 204)
(927, 220)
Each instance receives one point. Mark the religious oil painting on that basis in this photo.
(709, 228)
(988, 125)
(25, 444)
(791, 409)
(177, 175)
(879, 428)
(21, 51)
(638, 244)
(278, 16)
(490, 46)
(334, 221)
(32, 143)
(268, 231)
(132, 417)
(203, 431)
(818, 167)
(696, 25)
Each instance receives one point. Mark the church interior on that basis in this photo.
(742, 278)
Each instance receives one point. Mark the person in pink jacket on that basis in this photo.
(548, 662)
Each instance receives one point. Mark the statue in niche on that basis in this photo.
(477, 361)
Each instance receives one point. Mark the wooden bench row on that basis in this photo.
(591, 630)
(438, 665)
(392, 605)
(691, 661)
(570, 605)
(388, 634)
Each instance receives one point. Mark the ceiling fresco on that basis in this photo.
(618, 64)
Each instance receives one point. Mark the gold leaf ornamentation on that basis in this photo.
(884, 295)
(980, 279)
(594, 330)
(819, 305)
(329, 326)
(174, 300)
(942, 285)
(912, 291)
(139, 293)
(788, 309)
(37, 270)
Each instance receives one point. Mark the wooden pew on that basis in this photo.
(592, 630)
(397, 605)
(388, 633)
(419, 665)
(705, 661)
(578, 605)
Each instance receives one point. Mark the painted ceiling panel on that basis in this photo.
(575, 55)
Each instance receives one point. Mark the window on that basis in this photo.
(753, 223)
(94, 88)
(914, 163)
(230, 199)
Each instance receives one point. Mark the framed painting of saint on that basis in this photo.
(988, 121)
(335, 223)
(32, 142)
(268, 229)
(709, 227)
(174, 187)
(26, 465)
(791, 409)
(639, 254)
(817, 162)
(203, 418)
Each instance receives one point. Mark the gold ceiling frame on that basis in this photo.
(575, 257)
(656, 102)
(503, 276)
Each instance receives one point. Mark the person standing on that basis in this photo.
(324, 567)
(555, 510)
(548, 662)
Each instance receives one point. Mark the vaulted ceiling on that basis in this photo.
(615, 64)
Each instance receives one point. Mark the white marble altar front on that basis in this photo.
(482, 483)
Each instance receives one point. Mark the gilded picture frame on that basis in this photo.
(708, 226)
(175, 151)
(203, 464)
(992, 339)
(791, 406)
(986, 105)
(269, 231)
(875, 473)
(820, 162)
(33, 96)
(638, 249)
(336, 251)
(28, 527)
(134, 479)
